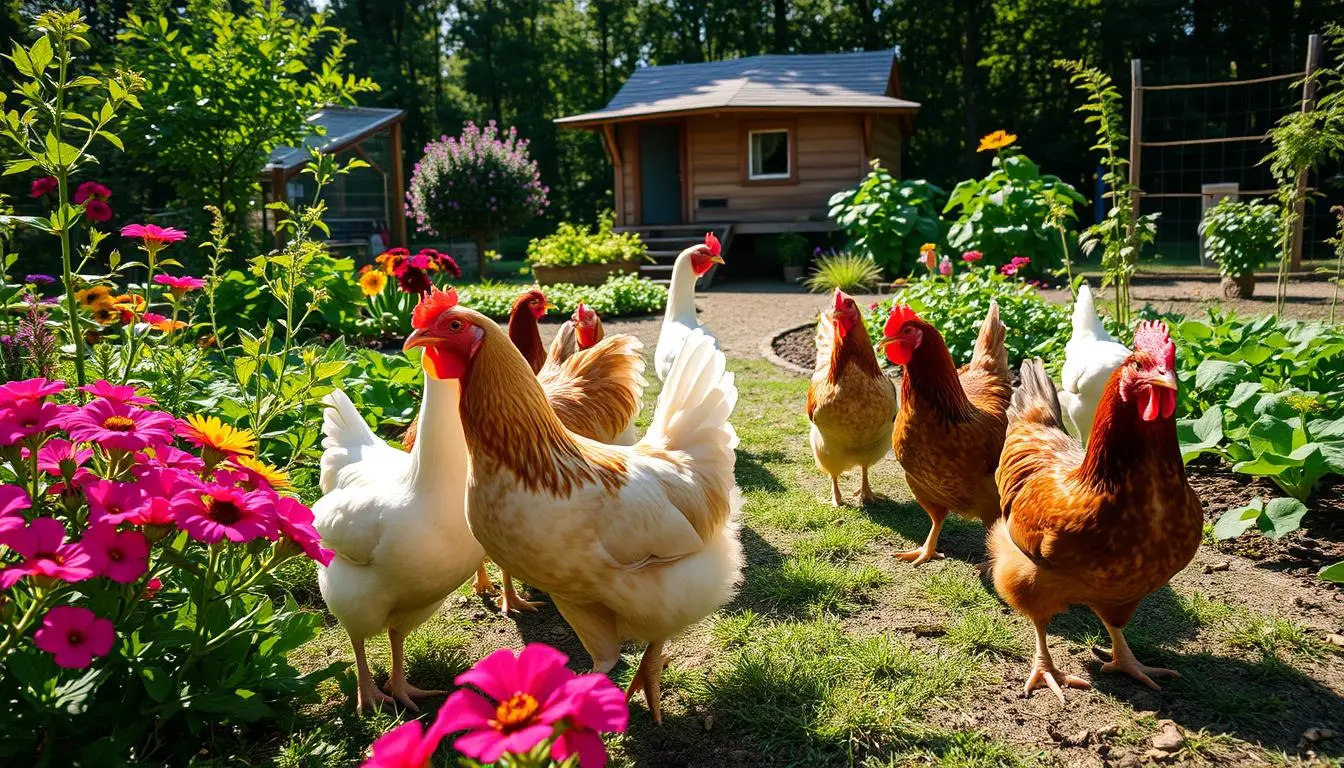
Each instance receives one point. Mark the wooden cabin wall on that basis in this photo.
(887, 144)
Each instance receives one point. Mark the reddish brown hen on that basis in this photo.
(949, 430)
(1104, 527)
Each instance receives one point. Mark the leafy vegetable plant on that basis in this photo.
(1240, 236)
(888, 219)
(572, 245)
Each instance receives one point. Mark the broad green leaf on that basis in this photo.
(1216, 374)
(1243, 393)
(1327, 430)
(1200, 435)
(1271, 435)
(40, 54)
(1235, 522)
(18, 166)
(1281, 517)
(1333, 573)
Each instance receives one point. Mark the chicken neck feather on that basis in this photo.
(1122, 443)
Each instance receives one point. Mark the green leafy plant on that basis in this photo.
(850, 272)
(888, 219)
(572, 245)
(1123, 233)
(1008, 213)
(1275, 519)
(791, 249)
(619, 296)
(52, 137)
(1240, 236)
(1337, 276)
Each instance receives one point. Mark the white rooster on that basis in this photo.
(1090, 358)
(679, 319)
(397, 523)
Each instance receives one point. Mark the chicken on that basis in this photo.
(582, 330)
(949, 429)
(1102, 527)
(630, 542)
(1089, 359)
(397, 523)
(527, 309)
(850, 403)
(679, 320)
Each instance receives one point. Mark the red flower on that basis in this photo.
(74, 635)
(97, 211)
(91, 190)
(970, 257)
(43, 186)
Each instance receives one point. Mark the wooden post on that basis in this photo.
(399, 188)
(1135, 133)
(1308, 105)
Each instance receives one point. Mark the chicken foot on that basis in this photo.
(648, 678)
(1121, 659)
(401, 690)
(367, 695)
(866, 495)
(930, 549)
(511, 601)
(836, 499)
(1043, 670)
(483, 585)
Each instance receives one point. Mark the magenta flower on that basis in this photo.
(117, 393)
(406, 746)
(180, 284)
(123, 555)
(1008, 269)
(524, 698)
(57, 455)
(91, 190)
(595, 706)
(28, 389)
(112, 502)
(13, 500)
(296, 524)
(46, 553)
(970, 257)
(168, 457)
(27, 418)
(43, 186)
(945, 267)
(153, 235)
(1021, 261)
(74, 635)
(97, 211)
(119, 426)
(212, 512)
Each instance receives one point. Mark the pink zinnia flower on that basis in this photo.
(168, 457)
(74, 635)
(945, 267)
(153, 234)
(180, 285)
(296, 524)
(124, 555)
(13, 500)
(970, 257)
(58, 455)
(524, 698)
(117, 393)
(1021, 261)
(46, 553)
(28, 389)
(27, 418)
(1008, 269)
(112, 502)
(213, 512)
(406, 746)
(91, 190)
(595, 706)
(43, 186)
(97, 211)
(119, 426)
(152, 588)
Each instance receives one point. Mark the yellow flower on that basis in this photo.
(997, 140)
(94, 296)
(274, 476)
(372, 283)
(925, 248)
(105, 314)
(223, 439)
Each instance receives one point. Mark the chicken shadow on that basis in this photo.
(753, 470)
(961, 539)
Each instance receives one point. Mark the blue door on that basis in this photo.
(660, 174)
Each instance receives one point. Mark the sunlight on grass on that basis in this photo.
(816, 585)
(839, 543)
(986, 633)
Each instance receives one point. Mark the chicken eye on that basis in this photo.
(455, 326)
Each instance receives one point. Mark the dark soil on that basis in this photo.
(798, 347)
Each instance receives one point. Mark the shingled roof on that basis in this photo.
(859, 81)
(343, 127)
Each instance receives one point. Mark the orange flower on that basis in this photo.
(997, 140)
(129, 305)
(372, 283)
(94, 296)
(217, 438)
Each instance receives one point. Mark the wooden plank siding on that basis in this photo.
(887, 143)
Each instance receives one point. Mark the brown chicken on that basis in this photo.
(949, 431)
(582, 330)
(1104, 527)
(850, 403)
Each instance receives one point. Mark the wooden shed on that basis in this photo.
(754, 145)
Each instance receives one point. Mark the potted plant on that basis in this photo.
(1240, 237)
(575, 255)
(791, 251)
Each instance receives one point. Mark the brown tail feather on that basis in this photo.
(596, 393)
(1035, 399)
(990, 355)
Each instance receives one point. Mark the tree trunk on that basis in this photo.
(868, 25)
(970, 83)
(781, 26)
(479, 239)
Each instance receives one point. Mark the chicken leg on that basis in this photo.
(367, 695)
(866, 495)
(648, 678)
(836, 499)
(401, 690)
(930, 549)
(1043, 671)
(1121, 659)
(511, 601)
(483, 585)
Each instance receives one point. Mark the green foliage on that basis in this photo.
(957, 306)
(1008, 213)
(572, 245)
(791, 249)
(1123, 233)
(619, 296)
(888, 219)
(1337, 277)
(1240, 236)
(850, 272)
(226, 89)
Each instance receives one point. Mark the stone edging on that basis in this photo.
(768, 349)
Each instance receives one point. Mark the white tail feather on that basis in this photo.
(1086, 322)
(696, 402)
(346, 437)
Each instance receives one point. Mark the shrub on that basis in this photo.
(791, 249)
(620, 295)
(956, 306)
(1007, 214)
(849, 272)
(1240, 237)
(477, 184)
(889, 219)
(572, 246)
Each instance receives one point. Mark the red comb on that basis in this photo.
(1152, 337)
(900, 315)
(840, 297)
(431, 306)
(712, 243)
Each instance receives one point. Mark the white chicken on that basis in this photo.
(630, 542)
(397, 523)
(679, 320)
(1090, 358)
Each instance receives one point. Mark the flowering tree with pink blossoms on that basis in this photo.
(477, 185)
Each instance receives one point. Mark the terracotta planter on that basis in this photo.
(584, 274)
(793, 274)
(1239, 287)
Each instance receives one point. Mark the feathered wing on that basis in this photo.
(825, 343)
(672, 340)
(596, 393)
(352, 454)
(563, 345)
(986, 378)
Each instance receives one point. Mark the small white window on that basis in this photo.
(768, 155)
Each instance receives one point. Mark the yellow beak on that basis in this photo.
(716, 260)
(1166, 380)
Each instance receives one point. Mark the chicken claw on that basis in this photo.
(1044, 672)
(483, 585)
(405, 692)
(866, 495)
(511, 602)
(919, 556)
(370, 698)
(1121, 659)
(836, 499)
(648, 678)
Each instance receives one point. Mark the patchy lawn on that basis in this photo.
(835, 653)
